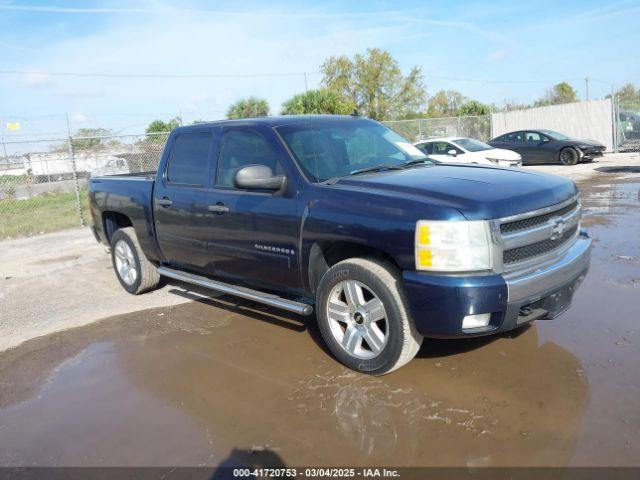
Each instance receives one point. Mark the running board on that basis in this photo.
(242, 292)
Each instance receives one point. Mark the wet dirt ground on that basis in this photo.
(215, 381)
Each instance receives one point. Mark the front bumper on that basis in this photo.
(590, 154)
(438, 303)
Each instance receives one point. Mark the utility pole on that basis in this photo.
(586, 84)
(614, 120)
(305, 82)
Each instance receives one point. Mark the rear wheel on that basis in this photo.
(568, 156)
(135, 273)
(363, 317)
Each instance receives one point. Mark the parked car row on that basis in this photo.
(513, 149)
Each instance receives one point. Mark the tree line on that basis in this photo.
(373, 85)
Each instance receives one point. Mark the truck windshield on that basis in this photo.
(333, 148)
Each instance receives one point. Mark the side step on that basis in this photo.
(242, 292)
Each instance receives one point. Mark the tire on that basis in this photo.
(127, 256)
(394, 339)
(568, 156)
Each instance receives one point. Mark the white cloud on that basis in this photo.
(79, 118)
(499, 55)
(266, 40)
(37, 79)
(187, 43)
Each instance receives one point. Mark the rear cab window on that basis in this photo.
(188, 162)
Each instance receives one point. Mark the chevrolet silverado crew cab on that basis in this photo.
(340, 215)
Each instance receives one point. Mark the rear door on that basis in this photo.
(181, 199)
(253, 235)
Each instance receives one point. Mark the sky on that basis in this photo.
(193, 58)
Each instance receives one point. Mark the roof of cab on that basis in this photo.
(276, 121)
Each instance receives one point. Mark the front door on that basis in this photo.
(441, 152)
(180, 202)
(535, 148)
(254, 235)
(512, 141)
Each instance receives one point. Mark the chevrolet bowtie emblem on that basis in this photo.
(557, 227)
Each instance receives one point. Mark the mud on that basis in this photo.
(217, 381)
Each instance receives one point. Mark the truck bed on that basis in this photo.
(129, 195)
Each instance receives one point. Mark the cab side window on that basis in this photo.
(240, 148)
(188, 160)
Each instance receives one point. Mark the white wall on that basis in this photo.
(584, 120)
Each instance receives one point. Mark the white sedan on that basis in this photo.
(468, 150)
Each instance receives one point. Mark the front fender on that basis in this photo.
(379, 222)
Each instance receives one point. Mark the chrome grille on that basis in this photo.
(534, 221)
(531, 238)
(519, 254)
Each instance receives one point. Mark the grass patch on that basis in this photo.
(45, 213)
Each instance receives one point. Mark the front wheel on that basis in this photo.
(135, 273)
(363, 317)
(568, 156)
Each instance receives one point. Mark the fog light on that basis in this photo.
(476, 321)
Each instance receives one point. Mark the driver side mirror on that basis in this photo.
(258, 177)
(452, 152)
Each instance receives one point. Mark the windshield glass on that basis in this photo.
(471, 145)
(555, 135)
(336, 147)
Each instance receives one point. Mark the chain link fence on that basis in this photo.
(478, 127)
(43, 183)
(628, 125)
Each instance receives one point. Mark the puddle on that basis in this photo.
(225, 382)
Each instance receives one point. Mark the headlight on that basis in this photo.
(493, 160)
(452, 246)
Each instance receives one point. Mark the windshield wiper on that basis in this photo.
(416, 161)
(377, 168)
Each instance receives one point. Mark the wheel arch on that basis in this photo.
(568, 147)
(112, 221)
(326, 253)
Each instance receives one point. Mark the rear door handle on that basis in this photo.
(165, 202)
(218, 208)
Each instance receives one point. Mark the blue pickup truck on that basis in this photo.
(340, 215)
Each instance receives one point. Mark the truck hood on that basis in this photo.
(478, 192)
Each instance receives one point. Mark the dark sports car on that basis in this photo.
(547, 146)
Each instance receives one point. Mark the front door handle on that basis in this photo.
(218, 208)
(165, 202)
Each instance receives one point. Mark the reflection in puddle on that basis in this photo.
(194, 395)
